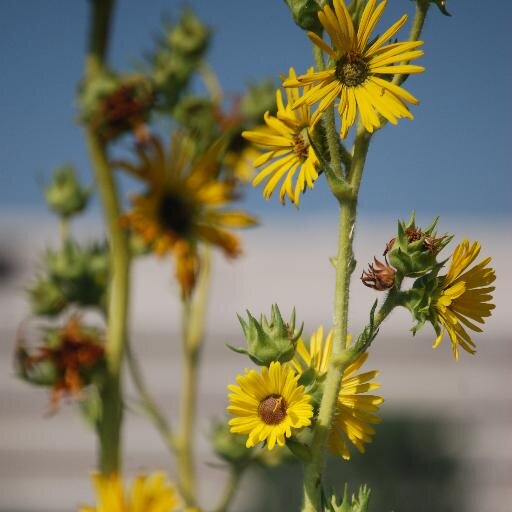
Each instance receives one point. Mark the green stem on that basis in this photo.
(109, 427)
(420, 16)
(333, 140)
(194, 310)
(314, 469)
(211, 82)
(64, 225)
(150, 406)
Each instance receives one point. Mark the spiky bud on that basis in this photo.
(259, 98)
(269, 340)
(65, 195)
(413, 251)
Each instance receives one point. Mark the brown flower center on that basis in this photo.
(352, 69)
(272, 410)
(176, 214)
(301, 144)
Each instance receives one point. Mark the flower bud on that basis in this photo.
(305, 14)
(68, 359)
(64, 194)
(413, 252)
(189, 36)
(379, 276)
(46, 298)
(74, 274)
(269, 341)
(114, 105)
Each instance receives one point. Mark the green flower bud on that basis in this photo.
(359, 503)
(414, 251)
(228, 446)
(114, 105)
(189, 36)
(64, 194)
(74, 274)
(269, 341)
(258, 99)
(305, 14)
(46, 298)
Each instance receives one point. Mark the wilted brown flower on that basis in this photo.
(413, 235)
(74, 352)
(379, 276)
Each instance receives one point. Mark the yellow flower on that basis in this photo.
(183, 205)
(464, 298)
(355, 411)
(286, 141)
(151, 493)
(268, 405)
(356, 75)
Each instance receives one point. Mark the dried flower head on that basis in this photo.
(379, 276)
(72, 352)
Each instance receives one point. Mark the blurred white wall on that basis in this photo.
(44, 462)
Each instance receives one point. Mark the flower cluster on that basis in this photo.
(454, 302)
(360, 74)
(281, 401)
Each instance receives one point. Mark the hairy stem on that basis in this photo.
(194, 310)
(109, 427)
(340, 356)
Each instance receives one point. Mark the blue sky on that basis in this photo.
(454, 158)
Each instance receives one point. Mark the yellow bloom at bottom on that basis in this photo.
(355, 410)
(268, 405)
(152, 493)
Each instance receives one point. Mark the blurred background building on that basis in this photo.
(446, 440)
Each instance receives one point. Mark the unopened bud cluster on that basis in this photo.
(73, 275)
(271, 339)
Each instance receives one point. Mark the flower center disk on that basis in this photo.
(301, 144)
(272, 410)
(352, 70)
(176, 214)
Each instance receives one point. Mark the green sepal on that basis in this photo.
(269, 339)
(301, 451)
(359, 503)
(91, 405)
(305, 14)
(410, 254)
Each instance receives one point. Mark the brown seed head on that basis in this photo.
(272, 410)
(379, 276)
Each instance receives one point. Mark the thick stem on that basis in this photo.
(313, 470)
(64, 230)
(109, 427)
(194, 310)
